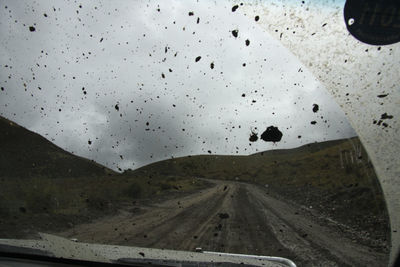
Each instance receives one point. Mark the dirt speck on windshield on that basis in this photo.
(272, 134)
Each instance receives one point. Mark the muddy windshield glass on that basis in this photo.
(180, 125)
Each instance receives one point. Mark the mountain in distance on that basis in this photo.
(24, 153)
(45, 188)
(335, 178)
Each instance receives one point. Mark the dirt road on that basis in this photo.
(230, 217)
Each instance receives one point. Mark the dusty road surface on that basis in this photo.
(230, 217)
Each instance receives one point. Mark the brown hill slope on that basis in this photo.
(45, 188)
(26, 154)
(334, 178)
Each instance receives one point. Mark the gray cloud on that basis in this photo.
(64, 83)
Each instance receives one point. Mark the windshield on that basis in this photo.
(222, 126)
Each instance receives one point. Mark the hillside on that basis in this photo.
(329, 165)
(45, 188)
(334, 178)
(27, 154)
(39, 180)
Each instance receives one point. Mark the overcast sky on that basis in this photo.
(128, 83)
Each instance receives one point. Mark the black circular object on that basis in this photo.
(375, 22)
(271, 134)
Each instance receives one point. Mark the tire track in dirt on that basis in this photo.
(315, 244)
(255, 230)
(183, 226)
(207, 230)
(292, 239)
(155, 226)
(229, 217)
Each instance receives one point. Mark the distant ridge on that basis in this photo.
(273, 165)
(334, 176)
(24, 153)
(310, 148)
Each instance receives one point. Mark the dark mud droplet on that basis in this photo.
(315, 108)
(101, 40)
(272, 134)
(385, 116)
(234, 8)
(198, 20)
(89, 142)
(313, 122)
(32, 29)
(247, 42)
(141, 254)
(257, 18)
(253, 137)
(235, 33)
(198, 58)
(117, 107)
(209, 151)
(383, 95)
(223, 215)
(191, 13)
(212, 65)
(243, 95)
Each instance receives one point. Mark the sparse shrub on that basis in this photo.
(4, 207)
(348, 169)
(97, 203)
(134, 190)
(40, 202)
(172, 179)
(165, 186)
